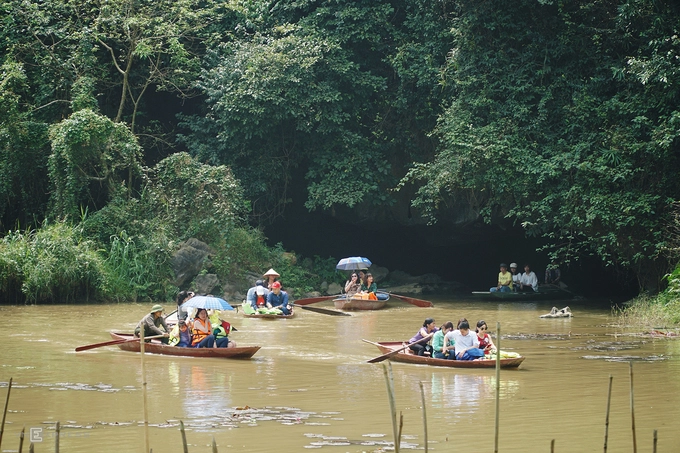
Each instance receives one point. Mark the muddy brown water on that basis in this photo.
(309, 387)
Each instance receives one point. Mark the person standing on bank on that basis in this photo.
(504, 280)
(152, 323)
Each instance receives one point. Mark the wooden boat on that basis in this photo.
(359, 303)
(406, 356)
(266, 315)
(156, 347)
(545, 292)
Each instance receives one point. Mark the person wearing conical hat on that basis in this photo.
(152, 323)
(272, 275)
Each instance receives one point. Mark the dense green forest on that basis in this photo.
(127, 127)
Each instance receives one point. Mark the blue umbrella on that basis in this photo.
(207, 302)
(353, 263)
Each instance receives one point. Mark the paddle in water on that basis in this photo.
(111, 342)
(413, 301)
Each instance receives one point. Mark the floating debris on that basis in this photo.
(627, 358)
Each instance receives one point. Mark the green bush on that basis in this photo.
(52, 264)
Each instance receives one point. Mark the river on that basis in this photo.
(309, 387)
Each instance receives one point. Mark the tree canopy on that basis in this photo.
(557, 117)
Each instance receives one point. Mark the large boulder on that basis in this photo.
(334, 288)
(379, 273)
(204, 284)
(191, 257)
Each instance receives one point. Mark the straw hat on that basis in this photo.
(271, 272)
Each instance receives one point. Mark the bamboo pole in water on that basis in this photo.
(145, 407)
(387, 372)
(57, 430)
(214, 445)
(606, 418)
(552, 446)
(184, 437)
(422, 395)
(654, 443)
(4, 413)
(632, 407)
(21, 439)
(30, 448)
(498, 384)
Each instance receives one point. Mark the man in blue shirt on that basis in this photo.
(279, 299)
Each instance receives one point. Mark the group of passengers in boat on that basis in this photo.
(452, 344)
(269, 295)
(361, 283)
(513, 281)
(196, 328)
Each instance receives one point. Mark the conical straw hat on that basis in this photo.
(271, 272)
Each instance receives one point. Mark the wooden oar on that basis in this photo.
(413, 300)
(313, 300)
(323, 310)
(396, 351)
(112, 342)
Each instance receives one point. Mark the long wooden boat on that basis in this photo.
(406, 356)
(545, 292)
(156, 347)
(266, 315)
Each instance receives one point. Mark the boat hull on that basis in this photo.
(406, 356)
(266, 316)
(156, 347)
(544, 292)
(359, 304)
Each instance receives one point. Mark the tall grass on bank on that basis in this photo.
(52, 264)
(662, 310)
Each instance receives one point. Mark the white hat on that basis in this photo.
(259, 290)
(271, 272)
(513, 265)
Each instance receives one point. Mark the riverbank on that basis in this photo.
(658, 312)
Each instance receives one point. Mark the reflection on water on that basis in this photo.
(310, 386)
(464, 392)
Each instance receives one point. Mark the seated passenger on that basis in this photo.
(553, 274)
(528, 280)
(221, 332)
(428, 329)
(182, 297)
(151, 324)
(504, 280)
(353, 285)
(279, 299)
(467, 344)
(271, 276)
(257, 295)
(201, 331)
(484, 338)
(369, 287)
(180, 335)
(516, 276)
(439, 340)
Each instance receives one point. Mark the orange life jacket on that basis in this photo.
(198, 335)
(261, 302)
